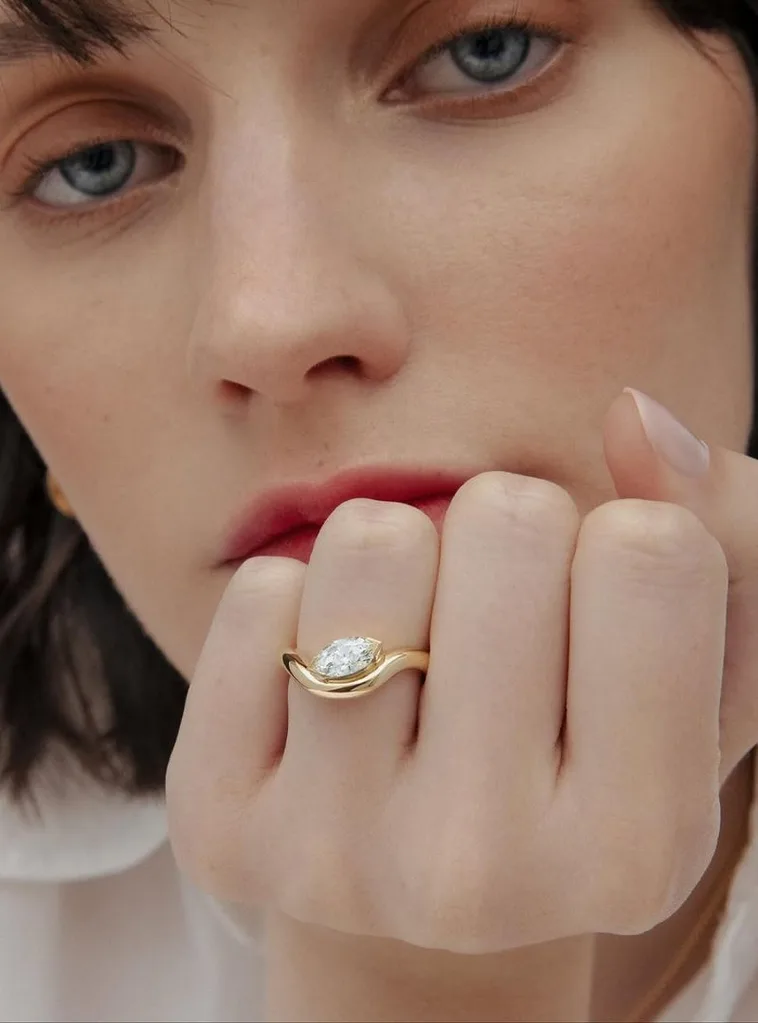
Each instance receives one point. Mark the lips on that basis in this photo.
(285, 522)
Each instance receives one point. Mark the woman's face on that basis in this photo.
(359, 259)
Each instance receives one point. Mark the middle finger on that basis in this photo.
(494, 701)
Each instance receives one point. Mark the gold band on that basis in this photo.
(351, 667)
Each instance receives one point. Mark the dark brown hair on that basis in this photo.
(78, 674)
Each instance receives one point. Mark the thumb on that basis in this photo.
(651, 456)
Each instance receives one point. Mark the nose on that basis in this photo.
(288, 300)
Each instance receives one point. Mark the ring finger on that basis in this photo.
(372, 573)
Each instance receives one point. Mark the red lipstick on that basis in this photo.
(285, 521)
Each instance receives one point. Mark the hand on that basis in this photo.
(551, 790)
(726, 502)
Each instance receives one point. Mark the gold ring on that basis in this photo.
(351, 667)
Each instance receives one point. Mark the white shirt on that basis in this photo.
(97, 924)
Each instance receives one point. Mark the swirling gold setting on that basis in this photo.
(341, 683)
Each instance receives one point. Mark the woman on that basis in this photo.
(378, 320)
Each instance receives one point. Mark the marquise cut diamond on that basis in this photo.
(345, 657)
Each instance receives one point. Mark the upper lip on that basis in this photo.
(296, 505)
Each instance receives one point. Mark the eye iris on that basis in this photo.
(100, 169)
(491, 54)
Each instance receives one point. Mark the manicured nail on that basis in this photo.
(673, 442)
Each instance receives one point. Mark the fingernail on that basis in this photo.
(683, 451)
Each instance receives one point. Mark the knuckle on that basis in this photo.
(454, 898)
(645, 869)
(526, 501)
(697, 839)
(257, 583)
(363, 526)
(655, 533)
(264, 579)
(630, 886)
(324, 887)
(658, 873)
(204, 841)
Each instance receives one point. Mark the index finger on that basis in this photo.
(235, 720)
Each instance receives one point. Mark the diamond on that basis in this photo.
(345, 657)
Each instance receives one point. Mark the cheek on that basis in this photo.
(92, 373)
(48, 384)
(605, 237)
(85, 369)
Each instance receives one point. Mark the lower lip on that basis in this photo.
(299, 543)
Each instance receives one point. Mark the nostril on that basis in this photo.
(234, 394)
(337, 362)
(232, 391)
(349, 362)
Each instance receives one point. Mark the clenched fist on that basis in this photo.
(558, 770)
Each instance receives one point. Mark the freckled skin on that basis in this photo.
(332, 282)
(494, 284)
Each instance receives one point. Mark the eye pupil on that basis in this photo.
(100, 169)
(488, 44)
(492, 53)
(97, 158)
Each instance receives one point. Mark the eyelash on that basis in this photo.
(36, 168)
(523, 23)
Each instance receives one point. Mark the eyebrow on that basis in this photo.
(80, 30)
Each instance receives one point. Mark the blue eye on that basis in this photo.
(101, 171)
(491, 55)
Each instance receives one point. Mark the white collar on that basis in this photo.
(80, 832)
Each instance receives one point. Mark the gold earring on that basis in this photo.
(57, 497)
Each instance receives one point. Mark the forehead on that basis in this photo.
(83, 30)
